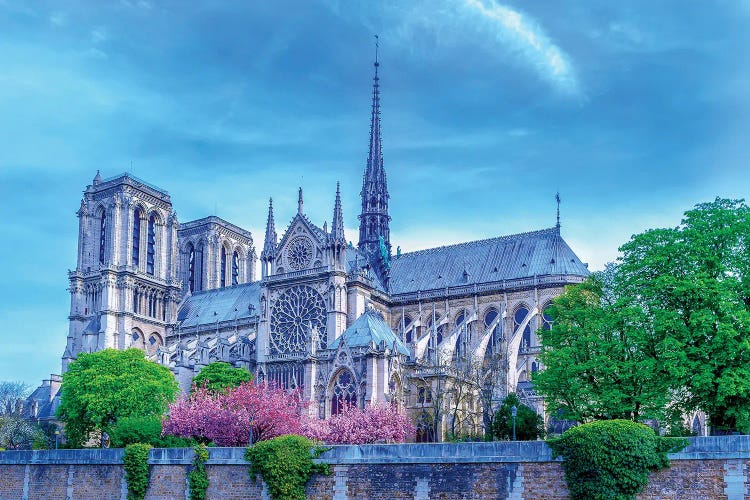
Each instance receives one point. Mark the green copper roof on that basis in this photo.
(372, 328)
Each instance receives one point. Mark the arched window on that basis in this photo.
(223, 267)
(198, 276)
(518, 318)
(409, 334)
(151, 251)
(235, 268)
(136, 297)
(460, 318)
(102, 236)
(344, 392)
(136, 250)
(191, 268)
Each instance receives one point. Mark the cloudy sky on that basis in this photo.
(633, 110)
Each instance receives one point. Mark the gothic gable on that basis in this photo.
(301, 247)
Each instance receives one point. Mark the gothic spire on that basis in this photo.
(374, 219)
(337, 226)
(557, 199)
(269, 246)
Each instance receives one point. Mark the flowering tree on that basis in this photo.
(226, 419)
(378, 423)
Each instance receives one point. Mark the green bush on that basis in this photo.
(137, 471)
(131, 430)
(220, 376)
(529, 425)
(286, 464)
(611, 459)
(197, 477)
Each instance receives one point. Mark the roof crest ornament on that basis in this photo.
(299, 201)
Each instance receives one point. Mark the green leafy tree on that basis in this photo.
(529, 425)
(602, 359)
(665, 331)
(220, 376)
(102, 387)
(693, 282)
(144, 429)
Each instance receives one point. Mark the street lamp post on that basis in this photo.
(57, 435)
(514, 412)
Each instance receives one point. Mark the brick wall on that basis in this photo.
(711, 468)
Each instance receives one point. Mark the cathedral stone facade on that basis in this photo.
(445, 332)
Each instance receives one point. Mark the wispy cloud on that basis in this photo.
(521, 33)
(506, 33)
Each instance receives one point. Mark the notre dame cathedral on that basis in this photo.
(444, 332)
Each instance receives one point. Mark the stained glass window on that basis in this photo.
(300, 253)
(518, 318)
(344, 392)
(296, 312)
(191, 268)
(235, 268)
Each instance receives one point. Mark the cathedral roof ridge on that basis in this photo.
(537, 232)
(216, 220)
(132, 178)
(238, 286)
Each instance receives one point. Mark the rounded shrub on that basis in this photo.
(286, 464)
(611, 459)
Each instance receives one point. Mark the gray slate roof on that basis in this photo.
(522, 255)
(221, 304)
(369, 328)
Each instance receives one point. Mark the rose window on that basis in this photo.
(300, 253)
(293, 315)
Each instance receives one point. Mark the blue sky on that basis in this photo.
(633, 110)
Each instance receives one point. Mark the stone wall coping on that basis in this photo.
(700, 448)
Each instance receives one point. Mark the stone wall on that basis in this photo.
(710, 468)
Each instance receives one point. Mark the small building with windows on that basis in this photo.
(445, 332)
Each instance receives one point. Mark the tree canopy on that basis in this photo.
(664, 331)
(529, 425)
(220, 376)
(100, 388)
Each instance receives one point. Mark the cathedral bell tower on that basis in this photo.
(124, 289)
(374, 231)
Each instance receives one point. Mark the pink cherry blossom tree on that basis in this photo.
(226, 419)
(377, 423)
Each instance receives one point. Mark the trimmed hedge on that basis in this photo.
(611, 459)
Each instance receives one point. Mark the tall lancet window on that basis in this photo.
(223, 267)
(344, 392)
(235, 268)
(151, 251)
(191, 268)
(136, 237)
(102, 236)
